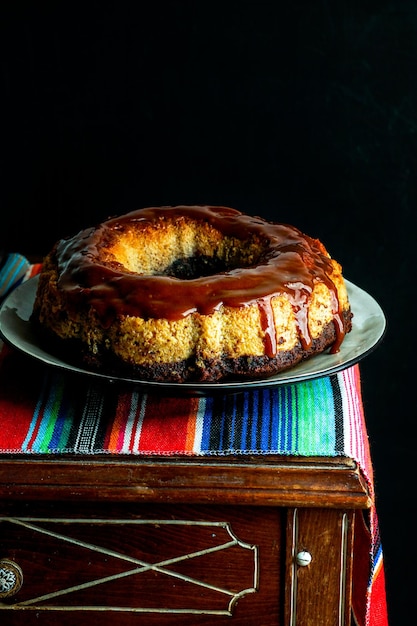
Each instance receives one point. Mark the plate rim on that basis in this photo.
(192, 388)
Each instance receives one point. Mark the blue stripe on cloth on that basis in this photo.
(12, 272)
(289, 419)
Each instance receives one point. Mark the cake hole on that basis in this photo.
(185, 251)
(194, 267)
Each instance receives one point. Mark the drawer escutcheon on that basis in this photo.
(11, 578)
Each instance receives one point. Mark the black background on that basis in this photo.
(301, 112)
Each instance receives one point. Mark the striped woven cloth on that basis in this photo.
(56, 413)
(13, 270)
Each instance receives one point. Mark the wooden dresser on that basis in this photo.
(109, 540)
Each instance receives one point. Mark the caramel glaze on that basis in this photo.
(291, 265)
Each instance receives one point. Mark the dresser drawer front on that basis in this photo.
(154, 564)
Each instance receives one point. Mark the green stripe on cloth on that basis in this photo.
(316, 417)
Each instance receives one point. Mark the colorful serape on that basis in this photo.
(56, 413)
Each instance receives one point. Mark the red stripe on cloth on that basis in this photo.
(155, 435)
(34, 269)
(378, 610)
(368, 597)
(17, 401)
(115, 435)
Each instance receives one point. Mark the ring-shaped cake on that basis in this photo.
(191, 293)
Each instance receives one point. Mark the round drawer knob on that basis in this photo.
(303, 558)
(11, 578)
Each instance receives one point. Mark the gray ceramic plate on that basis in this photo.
(368, 329)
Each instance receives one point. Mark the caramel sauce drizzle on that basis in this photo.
(293, 263)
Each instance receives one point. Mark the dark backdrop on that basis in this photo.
(304, 112)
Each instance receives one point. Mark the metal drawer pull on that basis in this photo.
(11, 578)
(303, 558)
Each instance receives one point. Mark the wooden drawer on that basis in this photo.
(128, 564)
